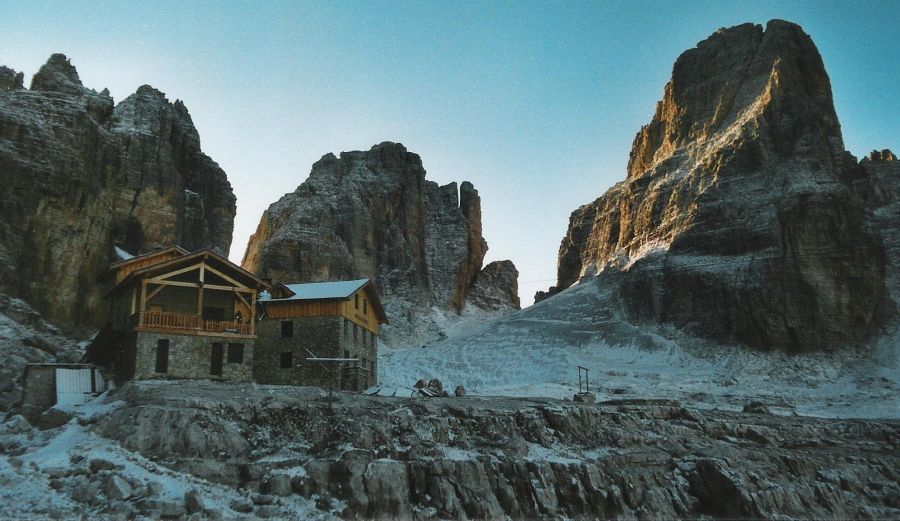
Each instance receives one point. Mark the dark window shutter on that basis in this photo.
(162, 355)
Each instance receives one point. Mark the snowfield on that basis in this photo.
(536, 351)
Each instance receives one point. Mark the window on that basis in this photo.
(287, 360)
(346, 328)
(346, 355)
(287, 328)
(235, 353)
(372, 338)
(162, 355)
(356, 301)
(365, 306)
(355, 332)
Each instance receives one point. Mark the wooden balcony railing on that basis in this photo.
(184, 322)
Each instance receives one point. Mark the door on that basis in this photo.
(218, 352)
(73, 386)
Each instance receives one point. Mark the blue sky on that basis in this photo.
(536, 103)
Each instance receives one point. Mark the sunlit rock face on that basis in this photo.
(372, 214)
(81, 174)
(739, 219)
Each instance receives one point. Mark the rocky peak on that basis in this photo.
(373, 214)
(737, 75)
(883, 156)
(735, 220)
(10, 79)
(57, 75)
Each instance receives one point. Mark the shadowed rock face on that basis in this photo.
(81, 174)
(372, 214)
(737, 220)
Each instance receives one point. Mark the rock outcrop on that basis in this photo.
(82, 174)
(738, 220)
(497, 458)
(372, 214)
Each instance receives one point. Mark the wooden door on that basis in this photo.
(218, 355)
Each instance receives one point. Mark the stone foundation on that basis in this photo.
(191, 357)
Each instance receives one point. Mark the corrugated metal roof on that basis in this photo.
(320, 290)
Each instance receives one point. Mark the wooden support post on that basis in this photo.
(200, 305)
(143, 300)
(253, 314)
(133, 300)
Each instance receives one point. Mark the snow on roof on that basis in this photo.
(122, 254)
(320, 290)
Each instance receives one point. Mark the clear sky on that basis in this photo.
(536, 103)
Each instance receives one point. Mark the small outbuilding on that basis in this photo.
(62, 385)
(337, 320)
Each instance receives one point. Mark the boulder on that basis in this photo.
(277, 485)
(17, 425)
(98, 464)
(459, 391)
(116, 488)
(193, 501)
(435, 386)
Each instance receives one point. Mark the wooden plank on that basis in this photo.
(178, 272)
(190, 284)
(229, 279)
(236, 292)
(202, 271)
(200, 302)
(154, 292)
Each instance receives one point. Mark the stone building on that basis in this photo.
(329, 320)
(175, 314)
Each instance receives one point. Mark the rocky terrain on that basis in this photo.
(742, 219)
(373, 214)
(25, 338)
(82, 174)
(215, 450)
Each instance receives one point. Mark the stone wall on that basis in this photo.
(40, 386)
(190, 357)
(326, 337)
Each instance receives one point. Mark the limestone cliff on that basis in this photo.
(82, 174)
(372, 214)
(738, 219)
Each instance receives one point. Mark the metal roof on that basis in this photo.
(320, 290)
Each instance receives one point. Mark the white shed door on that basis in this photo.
(73, 386)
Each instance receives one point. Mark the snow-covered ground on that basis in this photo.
(26, 490)
(535, 352)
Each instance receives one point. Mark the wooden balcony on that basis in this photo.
(184, 324)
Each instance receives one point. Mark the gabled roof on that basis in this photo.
(321, 290)
(186, 259)
(334, 290)
(177, 250)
